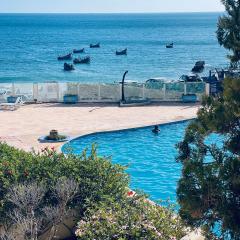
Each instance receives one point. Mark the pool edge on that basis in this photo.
(122, 130)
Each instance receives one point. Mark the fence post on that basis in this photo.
(79, 95)
(164, 91)
(143, 89)
(58, 93)
(35, 91)
(207, 89)
(99, 91)
(13, 89)
(185, 88)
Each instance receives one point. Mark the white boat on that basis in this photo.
(159, 80)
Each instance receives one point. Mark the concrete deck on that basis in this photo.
(23, 127)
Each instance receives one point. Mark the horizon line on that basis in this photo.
(180, 12)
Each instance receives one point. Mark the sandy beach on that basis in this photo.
(23, 127)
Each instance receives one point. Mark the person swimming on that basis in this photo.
(156, 129)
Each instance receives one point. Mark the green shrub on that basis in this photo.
(98, 178)
(131, 218)
(101, 194)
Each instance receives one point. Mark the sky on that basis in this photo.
(108, 6)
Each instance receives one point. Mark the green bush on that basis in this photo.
(102, 194)
(98, 178)
(132, 218)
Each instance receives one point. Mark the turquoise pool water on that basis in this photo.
(150, 157)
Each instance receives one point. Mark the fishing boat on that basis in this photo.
(169, 45)
(78, 50)
(199, 66)
(95, 45)
(85, 60)
(65, 57)
(68, 67)
(123, 52)
(190, 78)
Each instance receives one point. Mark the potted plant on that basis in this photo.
(70, 98)
(54, 136)
(189, 98)
(12, 99)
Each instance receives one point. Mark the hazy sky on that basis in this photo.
(85, 6)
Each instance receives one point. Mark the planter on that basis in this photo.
(12, 99)
(70, 99)
(44, 139)
(53, 137)
(189, 98)
(134, 103)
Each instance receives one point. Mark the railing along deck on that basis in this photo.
(102, 92)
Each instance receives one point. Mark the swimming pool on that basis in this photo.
(150, 157)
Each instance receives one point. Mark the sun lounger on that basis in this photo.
(12, 106)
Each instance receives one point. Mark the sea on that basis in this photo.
(31, 43)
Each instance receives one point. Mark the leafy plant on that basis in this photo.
(98, 177)
(32, 215)
(38, 190)
(132, 218)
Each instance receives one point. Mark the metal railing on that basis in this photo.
(102, 92)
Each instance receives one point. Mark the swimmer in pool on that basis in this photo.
(156, 129)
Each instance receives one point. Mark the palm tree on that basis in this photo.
(228, 33)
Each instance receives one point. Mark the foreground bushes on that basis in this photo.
(32, 215)
(98, 177)
(131, 218)
(99, 197)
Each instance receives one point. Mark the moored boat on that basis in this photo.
(95, 45)
(199, 66)
(158, 83)
(79, 50)
(85, 60)
(65, 57)
(68, 67)
(123, 52)
(191, 78)
(169, 45)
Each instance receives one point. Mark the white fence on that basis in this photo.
(55, 91)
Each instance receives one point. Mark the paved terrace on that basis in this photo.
(21, 128)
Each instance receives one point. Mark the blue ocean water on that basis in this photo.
(30, 44)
